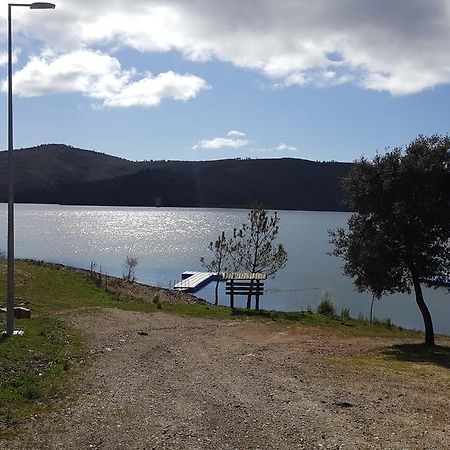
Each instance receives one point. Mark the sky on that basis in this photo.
(213, 79)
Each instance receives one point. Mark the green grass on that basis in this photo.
(410, 361)
(35, 367)
(51, 289)
(419, 353)
(343, 326)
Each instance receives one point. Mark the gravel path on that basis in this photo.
(162, 381)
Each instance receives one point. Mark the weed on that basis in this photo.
(326, 305)
(345, 314)
(383, 323)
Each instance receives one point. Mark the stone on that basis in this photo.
(22, 313)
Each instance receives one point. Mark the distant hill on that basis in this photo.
(66, 175)
(40, 171)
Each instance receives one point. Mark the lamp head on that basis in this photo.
(42, 5)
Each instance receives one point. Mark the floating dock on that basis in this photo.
(193, 281)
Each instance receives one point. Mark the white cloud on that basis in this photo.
(100, 76)
(399, 47)
(233, 139)
(286, 148)
(235, 133)
(149, 91)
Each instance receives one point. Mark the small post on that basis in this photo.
(231, 294)
(257, 295)
(249, 296)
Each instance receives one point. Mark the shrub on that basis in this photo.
(345, 314)
(156, 301)
(326, 305)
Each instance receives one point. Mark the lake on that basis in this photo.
(169, 241)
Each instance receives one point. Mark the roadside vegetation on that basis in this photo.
(35, 368)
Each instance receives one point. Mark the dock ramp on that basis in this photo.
(193, 281)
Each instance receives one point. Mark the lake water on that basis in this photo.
(168, 241)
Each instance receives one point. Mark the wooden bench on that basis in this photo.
(252, 285)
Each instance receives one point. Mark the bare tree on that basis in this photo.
(219, 250)
(129, 268)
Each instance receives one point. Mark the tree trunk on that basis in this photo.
(257, 295)
(429, 332)
(371, 308)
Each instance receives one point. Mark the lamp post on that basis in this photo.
(10, 269)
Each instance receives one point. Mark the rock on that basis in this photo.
(22, 313)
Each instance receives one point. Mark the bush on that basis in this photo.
(345, 314)
(326, 305)
(157, 302)
(387, 322)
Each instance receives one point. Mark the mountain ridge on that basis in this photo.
(57, 173)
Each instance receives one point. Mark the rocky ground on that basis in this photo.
(160, 381)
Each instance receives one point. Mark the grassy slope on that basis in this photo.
(35, 368)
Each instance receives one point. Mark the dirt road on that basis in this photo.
(160, 381)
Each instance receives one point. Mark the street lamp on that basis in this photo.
(10, 281)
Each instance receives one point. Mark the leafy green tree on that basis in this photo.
(252, 247)
(400, 233)
(217, 264)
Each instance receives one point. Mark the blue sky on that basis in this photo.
(323, 80)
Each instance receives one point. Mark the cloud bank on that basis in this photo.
(399, 47)
(101, 77)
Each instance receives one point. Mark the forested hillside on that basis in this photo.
(61, 174)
